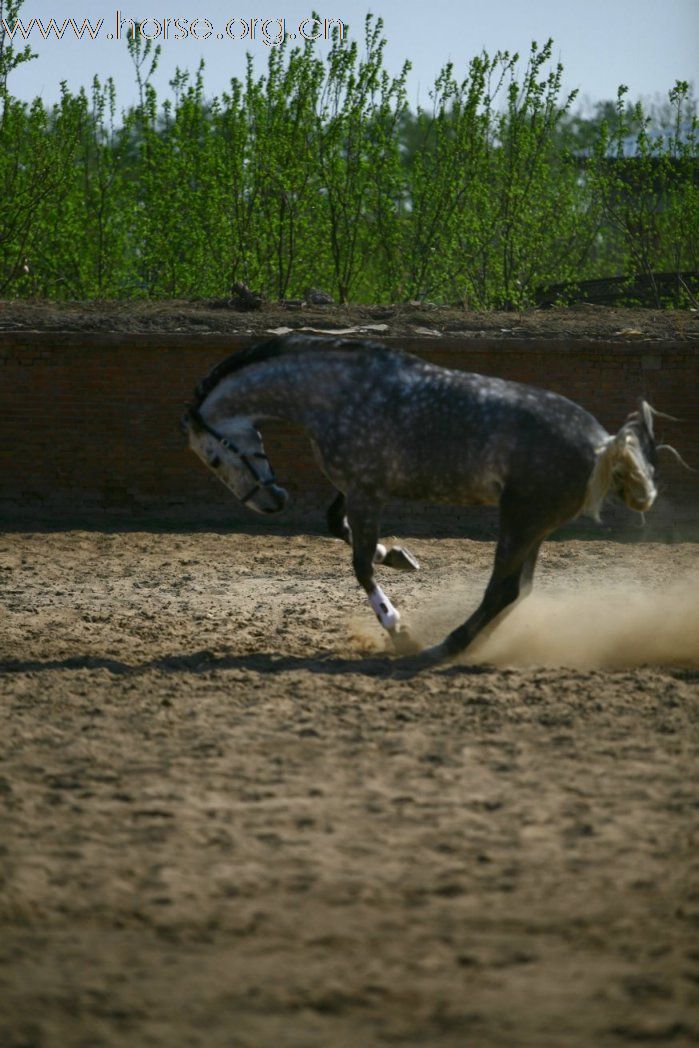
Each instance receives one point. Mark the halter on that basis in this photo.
(244, 458)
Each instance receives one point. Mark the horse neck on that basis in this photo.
(278, 390)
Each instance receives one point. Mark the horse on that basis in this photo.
(383, 423)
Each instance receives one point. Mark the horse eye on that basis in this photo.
(215, 462)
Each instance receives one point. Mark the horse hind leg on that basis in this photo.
(363, 522)
(526, 581)
(511, 578)
(396, 557)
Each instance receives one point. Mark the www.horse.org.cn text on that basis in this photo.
(269, 31)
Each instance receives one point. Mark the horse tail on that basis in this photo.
(599, 481)
(624, 460)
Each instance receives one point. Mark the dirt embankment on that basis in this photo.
(411, 319)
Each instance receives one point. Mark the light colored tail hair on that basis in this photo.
(623, 455)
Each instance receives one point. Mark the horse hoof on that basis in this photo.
(410, 664)
(403, 642)
(434, 655)
(399, 558)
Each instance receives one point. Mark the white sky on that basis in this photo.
(646, 44)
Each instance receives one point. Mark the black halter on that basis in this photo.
(260, 482)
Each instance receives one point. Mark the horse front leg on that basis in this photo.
(396, 557)
(363, 522)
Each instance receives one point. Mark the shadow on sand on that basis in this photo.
(259, 662)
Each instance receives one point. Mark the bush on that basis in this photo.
(316, 173)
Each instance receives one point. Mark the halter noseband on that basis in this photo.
(260, 482)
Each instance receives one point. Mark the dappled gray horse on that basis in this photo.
(385, 424)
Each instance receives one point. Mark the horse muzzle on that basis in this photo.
(271, 499)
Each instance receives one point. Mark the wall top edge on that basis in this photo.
(21, 337)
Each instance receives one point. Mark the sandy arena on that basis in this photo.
(226, 822)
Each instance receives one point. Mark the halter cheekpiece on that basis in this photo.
(260, 482)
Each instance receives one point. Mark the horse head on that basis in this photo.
(233, 450)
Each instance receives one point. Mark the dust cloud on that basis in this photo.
(589, 627)
(585, 628)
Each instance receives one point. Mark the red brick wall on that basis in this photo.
(89, 422)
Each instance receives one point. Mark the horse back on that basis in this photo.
(411, 429)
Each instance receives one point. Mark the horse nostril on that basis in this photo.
(281, 496)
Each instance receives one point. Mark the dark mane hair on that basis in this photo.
(271, 347)
(276, 347)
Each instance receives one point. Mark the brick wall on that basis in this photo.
(88, 422)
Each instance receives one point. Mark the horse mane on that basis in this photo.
(267, 350)
(279, 345)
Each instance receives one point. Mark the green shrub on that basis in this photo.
(316, 173)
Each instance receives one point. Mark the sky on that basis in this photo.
(646, 44)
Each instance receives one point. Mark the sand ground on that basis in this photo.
(227, 820)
